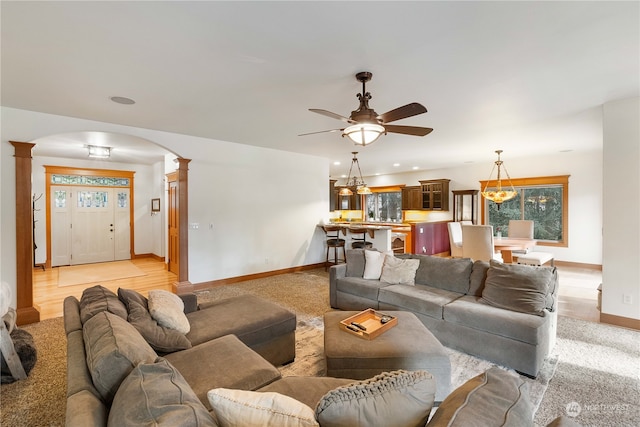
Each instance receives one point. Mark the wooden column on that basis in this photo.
(183, 285)
(26, 312)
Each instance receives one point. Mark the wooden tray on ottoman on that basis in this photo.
(370, 319)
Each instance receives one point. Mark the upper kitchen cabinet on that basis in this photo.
(343, 203)
(412, 198)
(435, 194)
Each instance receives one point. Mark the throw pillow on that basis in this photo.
(113, 348)
(256, 409)
(98, 298)
(398, 271)
(495, 397)
(399, 398)
(355, 262)
(161, 339)
(168, 310)
(156, 394)
(519, 288)
(373, 261)
(127, 295)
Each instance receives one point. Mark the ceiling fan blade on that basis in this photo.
(403, 112)
(322, 131)
(408, 130)
(332, 115)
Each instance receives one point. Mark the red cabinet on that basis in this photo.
(430, 238)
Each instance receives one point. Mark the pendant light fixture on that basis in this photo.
(499, 195)
(356, 181)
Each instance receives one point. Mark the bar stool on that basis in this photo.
(360, 242)
(334, 241)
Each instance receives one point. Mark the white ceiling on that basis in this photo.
(525, 77)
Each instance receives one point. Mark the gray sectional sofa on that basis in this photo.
(115, 377)
(500, 312)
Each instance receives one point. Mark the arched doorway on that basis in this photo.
(24, 217)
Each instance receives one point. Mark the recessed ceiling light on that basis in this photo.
(122, 100)
(336, 163)
(396, 165)
(415, 168)
(377, 174)
(343, 176)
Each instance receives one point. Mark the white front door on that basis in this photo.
(61, 225)
(122, 230)
(89, 224)
(92, 225)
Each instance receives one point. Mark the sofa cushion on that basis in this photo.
(398, 398)
(161, 339)
(255, 409)
(418, 299)
(478, 278)
(113, 349)
(252, 319)
(97, 299)
(167, 309)
(451, 274)
(519, 288)
(474, 312)
(355, 262)
(399, 271)
(224, 362)
(361, 287)
(155, 394)
(308, 390)
(493, 398)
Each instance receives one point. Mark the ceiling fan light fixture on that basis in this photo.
(364, 133)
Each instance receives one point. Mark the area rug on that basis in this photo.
(96, 273)
(310, 361)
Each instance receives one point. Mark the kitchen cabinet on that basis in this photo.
(430, 238)
(435, 194)
(346, 203)
(412, 198)
(465, 205)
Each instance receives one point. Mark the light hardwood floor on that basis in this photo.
(48, 297)
(578, 293)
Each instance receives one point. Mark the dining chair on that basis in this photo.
(520, 228)
(455, 239)
(477, 243)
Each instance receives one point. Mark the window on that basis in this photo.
(384, 206)
(543, 200)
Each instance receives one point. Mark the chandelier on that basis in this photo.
(499, 195)
(356, 181)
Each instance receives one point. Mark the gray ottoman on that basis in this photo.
(409, 345)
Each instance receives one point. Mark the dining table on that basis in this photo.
(509, 244)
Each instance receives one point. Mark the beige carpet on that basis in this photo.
(96, 273)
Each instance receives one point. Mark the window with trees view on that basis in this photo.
(542, 200)
(384, 206)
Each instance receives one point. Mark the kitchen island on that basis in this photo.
(378, 235)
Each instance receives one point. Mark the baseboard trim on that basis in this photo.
(597, 267)
(625, 322)
(237, 279)
(27, 315)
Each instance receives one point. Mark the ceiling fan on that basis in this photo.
(366, 125)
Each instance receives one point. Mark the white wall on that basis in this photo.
(264, 204)
(621, 225)
(144, 227)
(585, 195)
